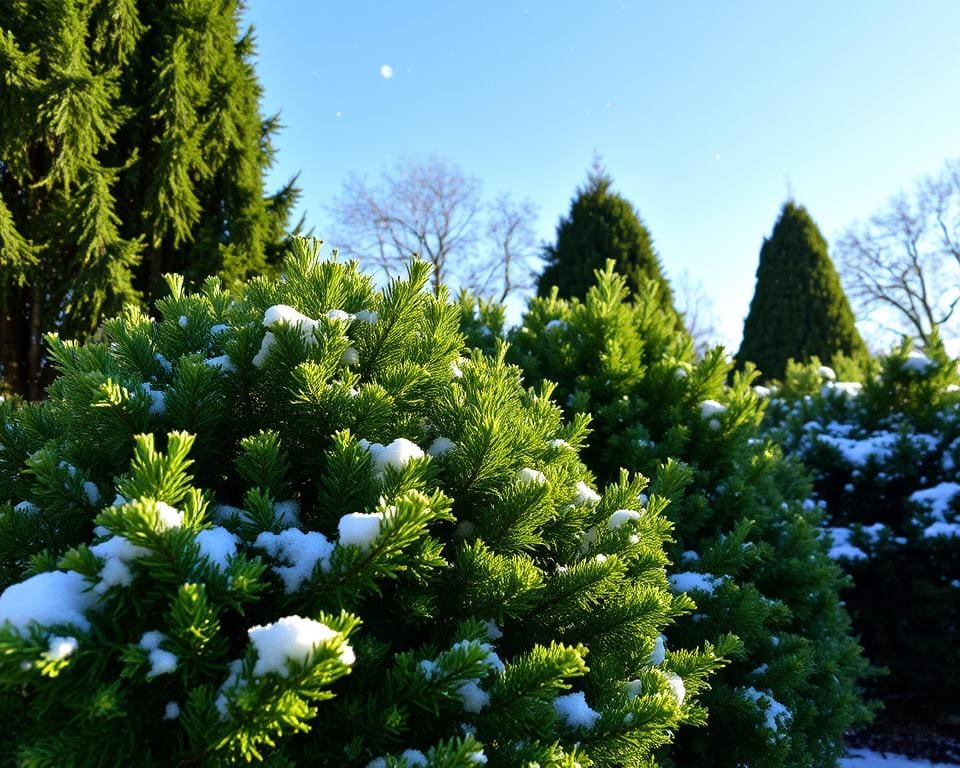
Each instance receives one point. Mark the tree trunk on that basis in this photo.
(34, 352)
(12, 344)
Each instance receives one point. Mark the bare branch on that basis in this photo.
(904, 264)
(698, 313)
(426, 207)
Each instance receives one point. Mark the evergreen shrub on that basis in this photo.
(745, 547)
(884, 453)
(293, 525)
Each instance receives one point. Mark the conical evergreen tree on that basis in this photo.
(297, 581)
(799, 308)
(602, 225)
(131, 145)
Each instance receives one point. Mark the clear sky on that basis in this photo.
(705, 112)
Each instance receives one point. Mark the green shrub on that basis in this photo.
(286, 575)
(884, 454)
(745, 546)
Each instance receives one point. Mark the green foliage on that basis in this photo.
(799, 308)
(263, 455)
(602, 226)
(884, 452)
(131, 145)
(745, 545)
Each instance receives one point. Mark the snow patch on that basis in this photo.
(59, 648)
(574, 710)
(360, 529)
(217, 545)
(621, 516)
(586, 494)
(397, 454)
(441, 447)
(689, 581)
(529, 476)
(299, 551)
(291, 638)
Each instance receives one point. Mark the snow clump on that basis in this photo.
(367, 316)
(161, 662)
(116, 552)
(711, 408)
(532, 477)
(677, 688)
(659, 652)
(222, 363)
(299, 551)
(621, 516)
(776, 713)
(59, 648)
(586, 494)
(397, 454)
(281, 314)
(217, 545)
(441, 446)
(575, 711)
(291, 638)
(360, 529)
(690, 581)
(826, 372)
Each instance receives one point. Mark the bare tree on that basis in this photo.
(427, 207)
(430, 207)
(903, 266)
(513, 249)
(698, 313)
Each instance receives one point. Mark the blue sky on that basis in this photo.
(705, 113)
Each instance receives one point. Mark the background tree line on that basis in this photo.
(132, 144)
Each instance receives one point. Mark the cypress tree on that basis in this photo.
(131, 145)
(602, 225)
(799, 308)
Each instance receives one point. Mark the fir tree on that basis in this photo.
(799, 308)
(746, 545)
(284, 573)
(602, 225)
(884, 447)
(130, 145)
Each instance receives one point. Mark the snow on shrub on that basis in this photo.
(286, 575)
(745, 547)
(884, 455)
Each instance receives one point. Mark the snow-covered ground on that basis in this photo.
(865, 758)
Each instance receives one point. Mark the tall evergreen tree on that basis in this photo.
(602, 225)
(799, 308)
(131, 145)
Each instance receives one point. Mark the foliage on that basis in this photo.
(130, 145)
(745, 544)
(884, 453)
(602, 225)
(798, 309)
(440, 604)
